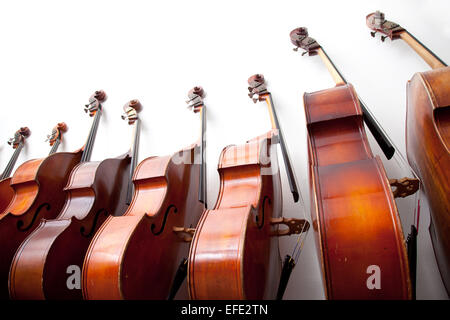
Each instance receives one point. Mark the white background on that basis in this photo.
(54, 54)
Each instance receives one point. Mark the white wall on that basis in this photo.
(54, 55)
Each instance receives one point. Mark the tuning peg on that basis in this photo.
(383, 38)
(254, 96)
(129, 116)
(131, 110)
(88, 107)
(257, 87)
(195, 96)
(295, 49)
(373, 33)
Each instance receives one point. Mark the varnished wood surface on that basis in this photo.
(126, 259)
(337, 78)
(354, 215)
(38, 193)
(231, 257)
(428, 151)
(94, 191)
(423, 52)
(6, 193)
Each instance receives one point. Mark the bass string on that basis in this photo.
(202, 176)
(91, 138)
(134, 159)
(88, 150)
(88, 142)
(284, 150)
(292, 182)
(303, 233)
(55, 146)
(426, 48)
(401, 161)
(398, 156)
(7, 170)
(371, 122)
(136, 144)
(12, 161)
(86, 146)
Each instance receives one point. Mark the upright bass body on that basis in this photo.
(233, 255)
(42, 262)
(38, 193)
(354, 214)
(135, 256)
(428, 151)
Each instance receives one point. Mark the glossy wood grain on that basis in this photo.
(94, 191)
(354, 215)
(233, 255)
(427, 135)
(6, 193)
(38, 193)
(428, 151)
(135, 256)
(426, 54)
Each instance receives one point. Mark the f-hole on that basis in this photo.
(259, 223)
(153, 226)
(20, 223)
(94, 223)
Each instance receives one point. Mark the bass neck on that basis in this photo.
(377, 22)
(12, 162)
(425, 53)
(87, 151)
(55, 147)
(376, 130)
(134, 159)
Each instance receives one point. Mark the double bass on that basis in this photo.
(36, 184)
(358, 230)
(142, 254)
(17, 143)
(427, 135)
(234, 252)
(47, 265)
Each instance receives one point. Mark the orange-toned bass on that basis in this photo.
(355, 218)
(234, 252)
(136, 256)
(427, 135)
(47, 264)
(38, 186)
